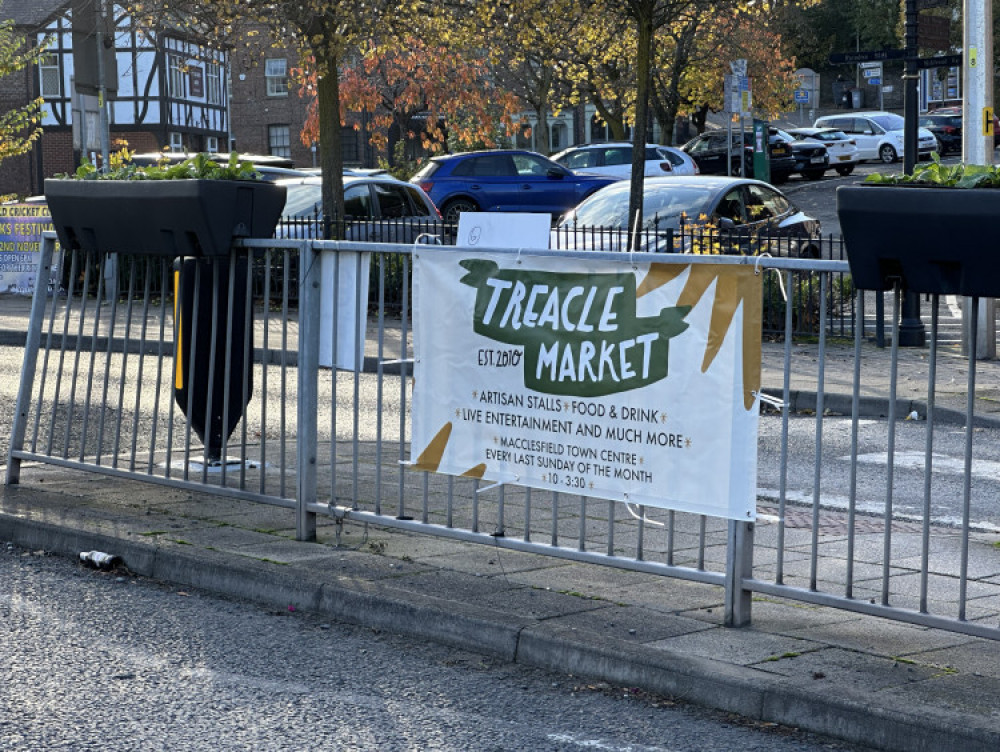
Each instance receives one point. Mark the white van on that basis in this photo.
(879, 135)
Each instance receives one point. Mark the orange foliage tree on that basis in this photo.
(453, 95)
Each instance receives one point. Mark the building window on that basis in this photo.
(557, 136)
(211, 144)
(276, 73)
(349, 150)
(213, 73)
(176, 80)
(51, 80)
(176, 142)
(279, 141)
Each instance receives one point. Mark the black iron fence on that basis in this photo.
(803, 297)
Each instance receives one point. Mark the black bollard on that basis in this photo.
(210, 392)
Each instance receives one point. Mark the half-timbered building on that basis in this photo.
(165, 89)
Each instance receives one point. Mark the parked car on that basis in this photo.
(811, 157)
(843, 149)
(879, 135)
(508, 180)
(711, 151)
(953, 110)
(377, 208)
(615, 159)
(947, 129)
(271, 168)
(744, 209)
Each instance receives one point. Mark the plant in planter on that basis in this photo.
(190, 211)
(931, 230)
(193, 208)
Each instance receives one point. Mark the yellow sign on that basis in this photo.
(987, 121)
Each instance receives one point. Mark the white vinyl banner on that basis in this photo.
(636, 382)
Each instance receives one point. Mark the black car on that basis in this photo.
(811, 157)
(947, 129)
(711, 151)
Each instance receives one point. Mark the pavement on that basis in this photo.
(883, 684)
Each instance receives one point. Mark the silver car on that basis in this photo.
(615, 160)
(378, 208)
(879, 135)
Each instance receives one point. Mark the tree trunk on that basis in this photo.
(331, 156)
(542, 145)
(699, 117)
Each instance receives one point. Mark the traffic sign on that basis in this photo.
(987, 121)
(874, 81)
(866, 56)
(941, 61)
(802, 96)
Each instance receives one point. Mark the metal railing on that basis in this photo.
(690, 238)
(325, 432)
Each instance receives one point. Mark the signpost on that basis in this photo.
(738, 101)
(866, 56)
(802, 98)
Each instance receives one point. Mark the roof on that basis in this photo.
(30, 13)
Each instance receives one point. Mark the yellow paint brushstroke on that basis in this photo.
(475, 472)
(751, 291)
(430, 459)
(702, 275)
(658, 276)
(723, 310)
(178, 357)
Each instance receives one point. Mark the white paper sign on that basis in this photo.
(504, 230)
(633, 382)
(344, 281)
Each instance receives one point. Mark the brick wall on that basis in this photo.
(16, 173)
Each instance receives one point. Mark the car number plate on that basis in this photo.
(779, 150)
(843, 157)
(815, 160)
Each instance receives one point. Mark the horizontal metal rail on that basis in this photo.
(321, 426)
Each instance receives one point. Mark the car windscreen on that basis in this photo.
(303, 200)
(426, 171)
(662, 206)
(889, 121)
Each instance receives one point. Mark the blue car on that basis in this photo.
(506, 180)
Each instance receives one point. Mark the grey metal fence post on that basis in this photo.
(308, 384)
(31, 345)
(739, 566)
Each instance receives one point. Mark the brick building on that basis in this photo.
(268, 112)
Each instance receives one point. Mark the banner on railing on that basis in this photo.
(21, 228)
(636, 382)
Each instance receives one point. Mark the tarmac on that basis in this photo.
(884, 684)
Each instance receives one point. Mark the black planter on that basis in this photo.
(932, 240)
(162, 217)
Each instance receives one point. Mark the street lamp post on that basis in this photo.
(911, 328)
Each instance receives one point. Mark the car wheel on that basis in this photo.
(451, 211)
(887, 154)
(845, 171)
(813, 174)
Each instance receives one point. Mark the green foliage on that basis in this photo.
(198, 167)
(938, 175)
(402, 167)
(19, 126)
